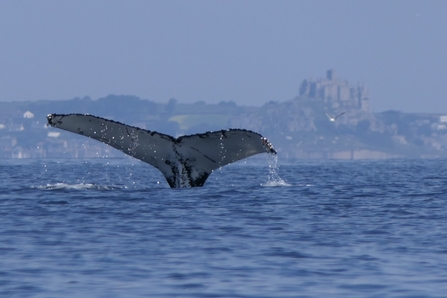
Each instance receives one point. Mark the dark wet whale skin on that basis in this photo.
(186, 161)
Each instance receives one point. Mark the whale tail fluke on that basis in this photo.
(186, 161)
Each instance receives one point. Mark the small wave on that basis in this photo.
(277, 182)
(77, 186)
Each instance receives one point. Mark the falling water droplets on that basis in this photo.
(273, 178)
(222, 151)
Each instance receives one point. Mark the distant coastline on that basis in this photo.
(298, 127)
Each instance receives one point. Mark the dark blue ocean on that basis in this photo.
(113, 228)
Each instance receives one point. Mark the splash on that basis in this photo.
(77, 186)
(273, 178)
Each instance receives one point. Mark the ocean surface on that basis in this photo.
(259, 228)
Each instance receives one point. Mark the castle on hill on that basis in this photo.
(336, 92)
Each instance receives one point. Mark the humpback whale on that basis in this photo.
(186, 161)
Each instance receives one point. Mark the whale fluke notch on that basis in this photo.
(186, 161)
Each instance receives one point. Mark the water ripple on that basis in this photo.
(339, 229)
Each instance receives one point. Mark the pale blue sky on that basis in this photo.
(250, 52)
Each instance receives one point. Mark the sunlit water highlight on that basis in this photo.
(113, 228)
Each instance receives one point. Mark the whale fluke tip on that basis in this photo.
(268, 146)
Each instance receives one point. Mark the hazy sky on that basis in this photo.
(250, 52)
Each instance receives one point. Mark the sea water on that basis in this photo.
(113, 228)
